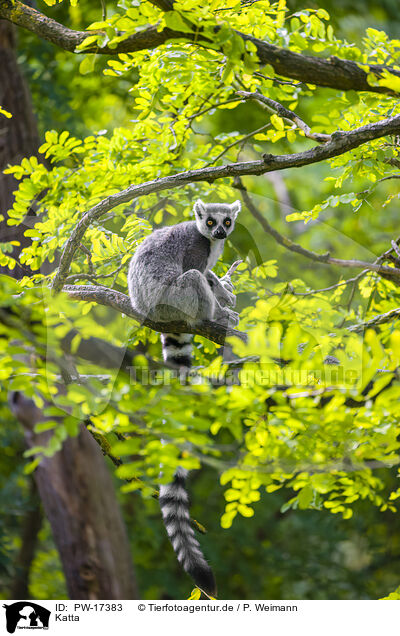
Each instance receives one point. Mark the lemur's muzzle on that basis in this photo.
(219, 233)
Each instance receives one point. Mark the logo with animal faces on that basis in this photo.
(26, 615)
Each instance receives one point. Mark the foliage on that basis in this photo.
(325, 432)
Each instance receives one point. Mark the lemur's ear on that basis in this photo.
(235, 208)
(199, 208)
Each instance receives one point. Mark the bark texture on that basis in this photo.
(18, 137)
(79, 501)
(31, 524)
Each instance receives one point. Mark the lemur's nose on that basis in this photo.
(219, 233)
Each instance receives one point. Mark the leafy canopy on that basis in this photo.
(287, 418)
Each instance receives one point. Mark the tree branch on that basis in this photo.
(237, 142)
(285, 241)
(326, 259)
(68, 39)
(340, 143)
(334, 73)
(100, 352)
(335, 286)
(380, 319)
(285, 113)
(115, 299)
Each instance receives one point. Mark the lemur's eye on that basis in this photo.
(210, 222)
(227, 222)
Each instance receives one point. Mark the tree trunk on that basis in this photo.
(18, 138)
(75, 485)
(79, 500)
(31, 524)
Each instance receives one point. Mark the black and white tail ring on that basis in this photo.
(174, 503)
(177, 349)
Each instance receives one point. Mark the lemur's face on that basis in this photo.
(215, 221)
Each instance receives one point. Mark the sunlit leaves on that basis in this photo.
(389, 80)
(196, 594)
(393, 596)
(287, 419)
(60, 146)
(5, 113)
(332, 201)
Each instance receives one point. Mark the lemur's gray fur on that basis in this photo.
(170, 278)
(170, 275)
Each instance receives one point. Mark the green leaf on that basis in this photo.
(87, 65)
(195, 594)
(175, 21)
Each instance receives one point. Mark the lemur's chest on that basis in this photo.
(216, 249)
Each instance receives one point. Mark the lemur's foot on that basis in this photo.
(225, 297)
(234, 317)
(228, 316)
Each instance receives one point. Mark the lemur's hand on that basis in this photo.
(231, 299)
(226, 280)
(226, 284)
(224, 295)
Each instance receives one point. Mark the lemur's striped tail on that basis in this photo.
(177, 349)
(174, 503)
(174, 500)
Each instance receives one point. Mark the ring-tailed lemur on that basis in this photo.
(170, 279)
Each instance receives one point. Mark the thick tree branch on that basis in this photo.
(115, 299)
(48, 29)
(334, 73)
(31, 523)
(340, 143)
(100, 352)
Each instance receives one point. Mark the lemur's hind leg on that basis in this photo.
(190, 295)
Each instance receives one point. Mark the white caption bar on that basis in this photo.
(308, 618)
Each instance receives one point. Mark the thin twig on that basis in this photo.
(89, 258)
(286, 114)
(93, 277)
(213, 106)
(242, 140)
(369, 190)
(276, 80)
(103, 10)
(396, 247)
(392, 273)
(331, 287)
